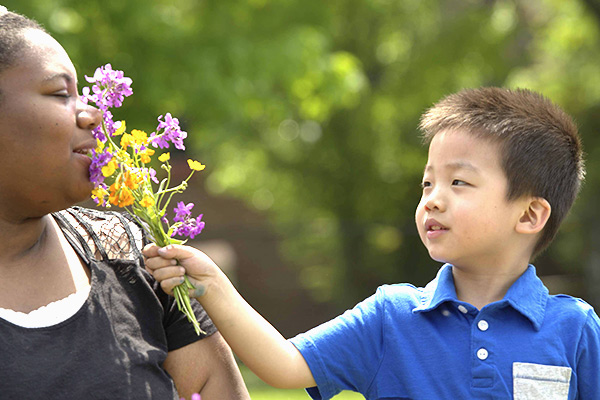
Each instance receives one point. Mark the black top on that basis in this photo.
(115, 345)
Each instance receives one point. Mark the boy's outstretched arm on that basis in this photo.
(252, 338)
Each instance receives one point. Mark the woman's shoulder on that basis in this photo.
(103, 234)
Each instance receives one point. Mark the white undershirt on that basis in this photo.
(48, 315)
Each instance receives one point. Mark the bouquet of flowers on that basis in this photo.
(123, 177)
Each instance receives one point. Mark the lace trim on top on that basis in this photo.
(48, 315)
(102, 235)
(95, 236)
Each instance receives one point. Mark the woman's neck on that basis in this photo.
(37, 265)
(22, 239)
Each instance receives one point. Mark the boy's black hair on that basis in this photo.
(541, 151)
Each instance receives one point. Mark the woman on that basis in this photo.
(79, 317)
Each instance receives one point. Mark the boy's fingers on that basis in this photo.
(175, 251)
(169, 273)
(168, 284)
(155, 263)
(150, 250)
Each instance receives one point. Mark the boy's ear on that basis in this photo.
(536, 215)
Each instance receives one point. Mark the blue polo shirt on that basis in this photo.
(415, 343)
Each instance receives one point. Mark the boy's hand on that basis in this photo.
(169, 264)
(267, 353)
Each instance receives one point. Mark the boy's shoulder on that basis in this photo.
(437, 291)
(564, 307)
(401, 296)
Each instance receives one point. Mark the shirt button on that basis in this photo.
(483, 325)
(462, 309)
(482, 354)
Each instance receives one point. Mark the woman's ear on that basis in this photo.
(535, 216)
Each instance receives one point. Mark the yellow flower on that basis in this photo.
(120, 196)
(164, 157)
(145, 155)
(196, 165)
(126, 141)
(109, 168)
(132, 181)
(120, 129)
(139, 137)
(99, 193)
(99, 146)
(147, 201)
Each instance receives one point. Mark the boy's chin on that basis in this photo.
(437, 256)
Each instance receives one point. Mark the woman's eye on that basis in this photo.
(62, 93)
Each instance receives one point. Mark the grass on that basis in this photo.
(261, 391)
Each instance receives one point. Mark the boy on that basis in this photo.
(504, 168)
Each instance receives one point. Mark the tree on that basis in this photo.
(308, 110)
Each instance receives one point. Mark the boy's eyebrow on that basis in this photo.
(454, 165)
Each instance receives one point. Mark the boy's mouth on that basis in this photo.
(434, 228)
(433, 225)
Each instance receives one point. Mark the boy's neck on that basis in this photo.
(480, 287)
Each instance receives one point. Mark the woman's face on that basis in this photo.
(45, 131)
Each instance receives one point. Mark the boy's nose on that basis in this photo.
(88, 117)
(434, 202)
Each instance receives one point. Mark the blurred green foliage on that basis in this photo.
(308, 109)
(261, 391)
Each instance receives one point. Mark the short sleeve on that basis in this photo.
(179, 331)
(345, 353)
(588, 363)
(108, 236)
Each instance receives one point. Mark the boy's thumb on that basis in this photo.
(176, 251)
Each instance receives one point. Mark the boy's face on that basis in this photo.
(463, 217)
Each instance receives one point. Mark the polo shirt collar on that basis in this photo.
(527, 295)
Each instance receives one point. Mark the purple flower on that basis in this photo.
(171, 132)
(146, 173)
(152, 174)
(191, 227)
(97, 133)
(182, 211)
(109, 89)
(99, 160)
(195, 396)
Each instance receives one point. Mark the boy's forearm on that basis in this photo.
(253, 339)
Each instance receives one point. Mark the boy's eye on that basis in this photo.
(458, 182)
(425, 184)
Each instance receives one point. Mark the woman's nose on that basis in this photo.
(88, 117)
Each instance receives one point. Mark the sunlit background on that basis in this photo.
(305, 113)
